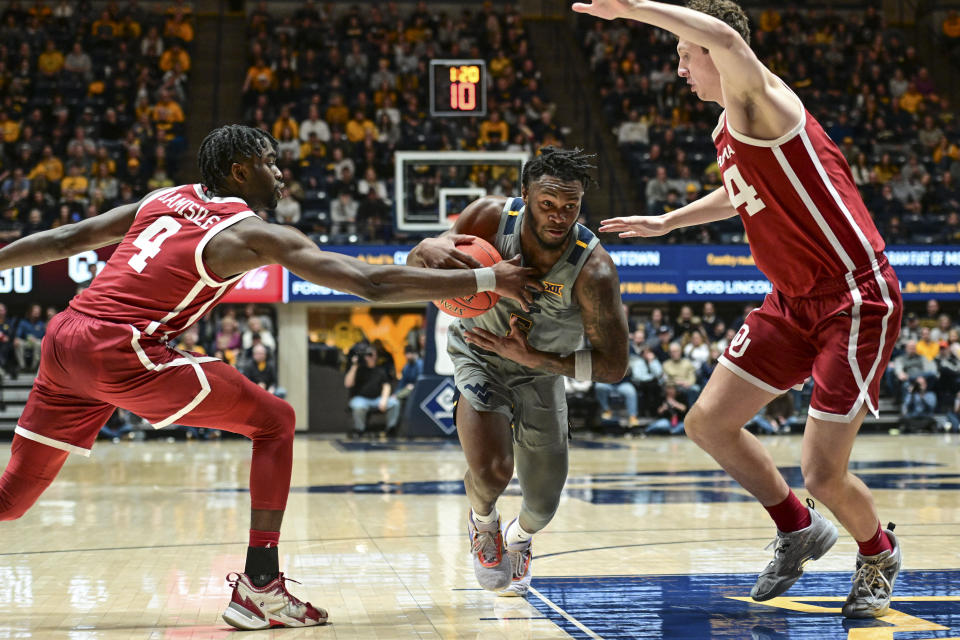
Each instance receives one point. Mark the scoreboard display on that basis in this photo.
(458, 88)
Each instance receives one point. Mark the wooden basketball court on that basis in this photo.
(652, 540)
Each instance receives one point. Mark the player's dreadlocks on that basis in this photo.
(725, 11)
(565, 164)
(224, 146)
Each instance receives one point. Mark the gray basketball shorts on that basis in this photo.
(535, 403)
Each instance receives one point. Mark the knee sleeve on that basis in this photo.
(542, 472)
(31, 469)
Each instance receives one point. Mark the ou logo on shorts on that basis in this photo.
(740, 342)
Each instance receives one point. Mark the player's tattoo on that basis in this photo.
(603, 317)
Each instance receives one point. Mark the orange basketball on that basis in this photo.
(474, 305)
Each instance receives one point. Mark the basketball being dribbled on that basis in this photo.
(473, 305)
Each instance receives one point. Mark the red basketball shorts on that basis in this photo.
(88, 367)
(843, 336)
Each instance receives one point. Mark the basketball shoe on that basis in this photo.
(792, 551)
(271, 605)
(520, 557)
(486, 546)
(873, 581)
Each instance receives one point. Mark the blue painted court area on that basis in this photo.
(702, 607)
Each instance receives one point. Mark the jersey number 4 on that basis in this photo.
(150, 239)
(740, 192)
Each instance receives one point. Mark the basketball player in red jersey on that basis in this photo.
(181, 249)
(834, 312)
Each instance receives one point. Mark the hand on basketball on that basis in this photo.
(442, 253)
(636, 226)
(606, 9)
(516, 282)
(513, 346)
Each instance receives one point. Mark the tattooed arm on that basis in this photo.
(597, 290)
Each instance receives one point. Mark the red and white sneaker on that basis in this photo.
(253, 607)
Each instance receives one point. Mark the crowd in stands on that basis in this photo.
(20, 339)
(873, 95)
(672, 359)
(92, 107)
(341, 92)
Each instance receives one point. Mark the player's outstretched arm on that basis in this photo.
(53, 244)
(597, 291)
(757, 102)
(736, 62)
(480, 218)
(710, 208)
(252, 243)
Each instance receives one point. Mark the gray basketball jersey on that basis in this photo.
(554, 323)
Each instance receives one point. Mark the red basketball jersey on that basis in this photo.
(805, 220)
(156, 280)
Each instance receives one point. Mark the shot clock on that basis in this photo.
(458, 88)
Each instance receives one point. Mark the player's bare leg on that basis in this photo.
(715, 423)
(487, 443)
(825, 459)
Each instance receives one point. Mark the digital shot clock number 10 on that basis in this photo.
(458, 88)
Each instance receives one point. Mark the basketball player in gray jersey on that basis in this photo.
(509, 363)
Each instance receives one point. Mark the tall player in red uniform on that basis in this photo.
(181, 249)
(834, 312)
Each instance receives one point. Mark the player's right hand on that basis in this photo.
(516, 282)
(636, 226)
(605, 9)
(442, 253)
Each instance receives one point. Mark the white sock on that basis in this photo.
(516, 534)
(490, 518)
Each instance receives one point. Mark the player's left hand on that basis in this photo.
(513, 346)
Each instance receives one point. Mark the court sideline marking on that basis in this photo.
(565, 615)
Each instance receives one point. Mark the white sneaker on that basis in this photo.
(486, 547)
(521, 557)
(271, 605)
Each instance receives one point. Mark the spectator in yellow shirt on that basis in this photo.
(74, 186)
(926, 346)
(260, 78)
(951, 26)
(104, 28)
(337, 113)
(130, 28)
(103, 159)
(50, 62)
(167, 114)
(173, 56)
(358, 127)
(910, 100)
(285, 120)
(494, 124)
(769, 20)
(9, 128)
(178, 27)
(945, 151)
(49, 170)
